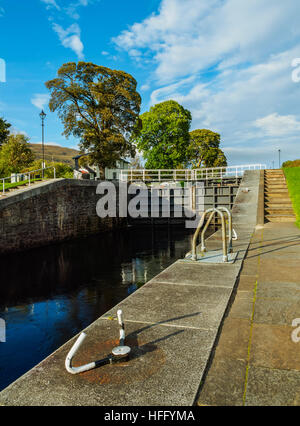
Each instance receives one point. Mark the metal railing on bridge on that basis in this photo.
(162, 175)
(22, 178)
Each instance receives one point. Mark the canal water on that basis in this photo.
(47, 295)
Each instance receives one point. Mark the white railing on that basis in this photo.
(26, 176)
(159, 175)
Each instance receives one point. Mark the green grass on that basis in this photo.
(16, 184)
(292, 175)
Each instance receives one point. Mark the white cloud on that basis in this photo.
(72, 9)
(189, 36)
(229, 63)
(278, 125)
(70, 38)
(51, 3)
(40, 100)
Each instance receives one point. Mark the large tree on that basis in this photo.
(204, 150)
(164, 137)
(15, 155)
(100, 106)
(4, 130)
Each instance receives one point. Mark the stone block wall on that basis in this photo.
(51, 212)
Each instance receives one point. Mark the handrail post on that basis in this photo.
(224, 236)
(229, 215)
(225, 253)
(203, 248)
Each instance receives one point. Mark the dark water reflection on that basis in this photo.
(48, 295)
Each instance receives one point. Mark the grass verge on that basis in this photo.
(16, 184)
(292, 175)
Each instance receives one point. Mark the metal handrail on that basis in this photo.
(227, 249)
(28, 174)
(118, 353)
(187, 174)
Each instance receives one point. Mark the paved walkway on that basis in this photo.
(256, 361)
(171, 325)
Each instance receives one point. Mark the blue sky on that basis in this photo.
(228, 61)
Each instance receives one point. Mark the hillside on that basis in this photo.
(55, 153)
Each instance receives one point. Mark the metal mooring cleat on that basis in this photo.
(119, 353)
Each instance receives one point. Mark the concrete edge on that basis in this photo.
(260, 217)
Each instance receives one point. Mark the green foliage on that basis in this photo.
(4, 130)
(204, 150)
(9, 185)
(15, 154)
(294, 163)
(292, 175)
(164, 136)
(98, 105)
(62, 170)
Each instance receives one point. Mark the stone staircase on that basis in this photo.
(278, 205)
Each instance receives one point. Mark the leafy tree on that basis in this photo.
(136, 163)
(4, 132)
(204, 150)
(100, 106)
(62, 170)
(15, 155)
(164, 137)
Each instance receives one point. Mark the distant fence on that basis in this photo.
(23, 177)
(160, 175)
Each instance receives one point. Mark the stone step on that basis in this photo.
(276, 190)
(283, 211)
(278, 179)
(274, 177)
(285, 205)
(273, 180)
(280, 218)
(275, 186)
(274, 174)
(278, 200)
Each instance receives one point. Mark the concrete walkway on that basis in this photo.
(256, 362)
(171, 324)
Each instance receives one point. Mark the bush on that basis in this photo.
(62, 170)
(294, 163)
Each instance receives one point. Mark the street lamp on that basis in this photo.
(279, 151)
(43, 116)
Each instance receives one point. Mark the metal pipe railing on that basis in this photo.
(226, 246)
(119, 353)
(27, 174)
(188, 174)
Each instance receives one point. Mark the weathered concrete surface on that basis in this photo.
(171, 323)
(256, 361)
(50, 212)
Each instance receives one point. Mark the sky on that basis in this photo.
(234, 64)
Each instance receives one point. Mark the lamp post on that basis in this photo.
(43, 116)
(279, 151)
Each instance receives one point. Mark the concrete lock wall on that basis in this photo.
(49, 213)
(66, 208)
